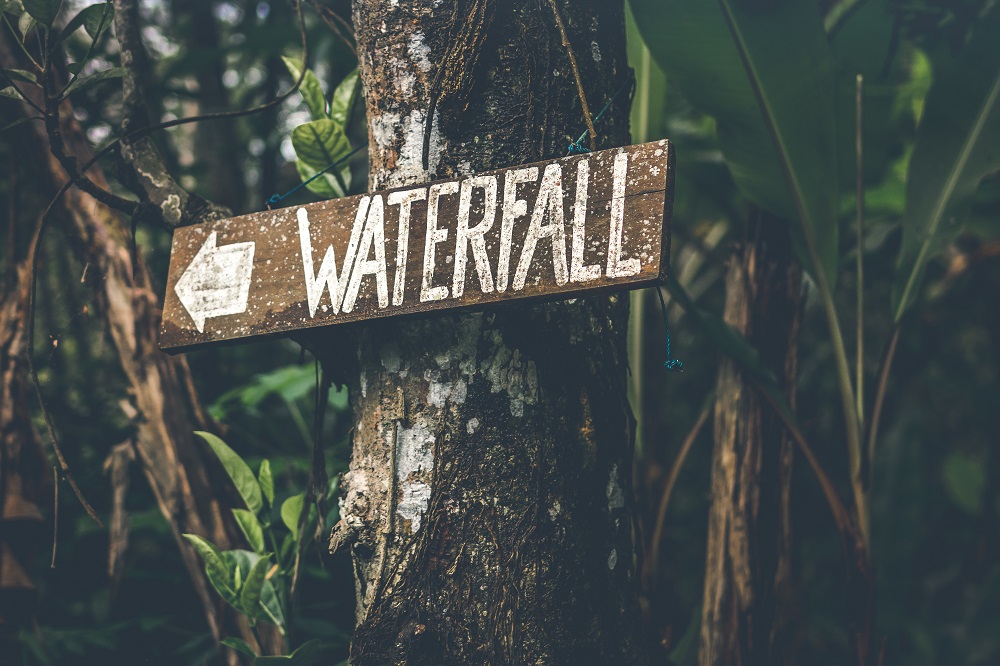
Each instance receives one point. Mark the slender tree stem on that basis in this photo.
(883, 382)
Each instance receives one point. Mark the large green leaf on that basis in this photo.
(318, 144)
(251, 528)
(254, 584)
(238, 470)
(958, 144)
(766, 73)
(312, 92)
(95, 19)
(215, 567)
(43, 11)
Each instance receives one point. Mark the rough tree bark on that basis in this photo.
(488, 503)
(749, 539)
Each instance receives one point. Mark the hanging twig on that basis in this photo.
(576, 75)
(859, 194)
(880, 389)
(326, 14)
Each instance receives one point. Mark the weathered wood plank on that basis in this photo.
(560, 228)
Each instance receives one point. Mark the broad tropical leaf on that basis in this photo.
(318, 144)
(343, 98)
(239, 472)
(43, 11)
(215, 567)
(767, 76)
(251, 528)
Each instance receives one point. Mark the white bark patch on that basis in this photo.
(595, 51)
(613, 559)
(414, 461)
(472, 425)
(616, 498)
(420, 52)
(555, 510)
(404, 135)
(440, 392)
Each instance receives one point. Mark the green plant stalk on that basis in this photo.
(859, 192)
(942, 201)
(851, 422)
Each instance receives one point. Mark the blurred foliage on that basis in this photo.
(935, 490)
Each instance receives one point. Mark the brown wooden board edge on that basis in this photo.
(668, 203)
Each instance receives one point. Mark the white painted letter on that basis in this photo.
(513, 208)
(327, 276)
(405, 199)
(550, 204)
(617, 267)
(476, 236)
(579, 272)
(434, 236)
(373, 234)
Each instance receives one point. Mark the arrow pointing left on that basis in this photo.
(217, 281)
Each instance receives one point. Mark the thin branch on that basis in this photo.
(30, 353)
(668, 489)
(328, 16)
(576, 75)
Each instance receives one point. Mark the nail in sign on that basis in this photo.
(561, 228)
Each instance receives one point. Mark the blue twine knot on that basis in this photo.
(576, 148)
(672, 364)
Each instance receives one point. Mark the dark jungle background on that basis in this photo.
(120, 594)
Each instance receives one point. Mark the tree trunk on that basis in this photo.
(488, 503)
(747, 586)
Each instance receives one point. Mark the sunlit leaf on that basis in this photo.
(343, 98)
(238, 470)
(19, 75)
(251, 528)
(312, 92)
(254, 584)
(11, 92)
(318, 144)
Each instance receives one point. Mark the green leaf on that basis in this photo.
(98, 18)
(11, 92)
(19, 121)
(94, 19)
(239, 645)
(956, 148)
(26, 23)
(43, 11)
(251, 529)
(12, 6)
(266, 481)
(767, 76)
(83, 82)
(318, 144)
(965, 481)
(19, 75)
(250, 595)
(291, 511)
(215, 567)
(269, 609)
(238, 471)
(312, 92)
(343, 98)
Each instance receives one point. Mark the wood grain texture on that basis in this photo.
(366, 226)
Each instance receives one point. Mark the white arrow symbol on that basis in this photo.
(217, 281)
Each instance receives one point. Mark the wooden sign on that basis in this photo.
(566, 227)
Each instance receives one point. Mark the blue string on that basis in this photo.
(672, 364)
(276, 198)
(577, 147)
